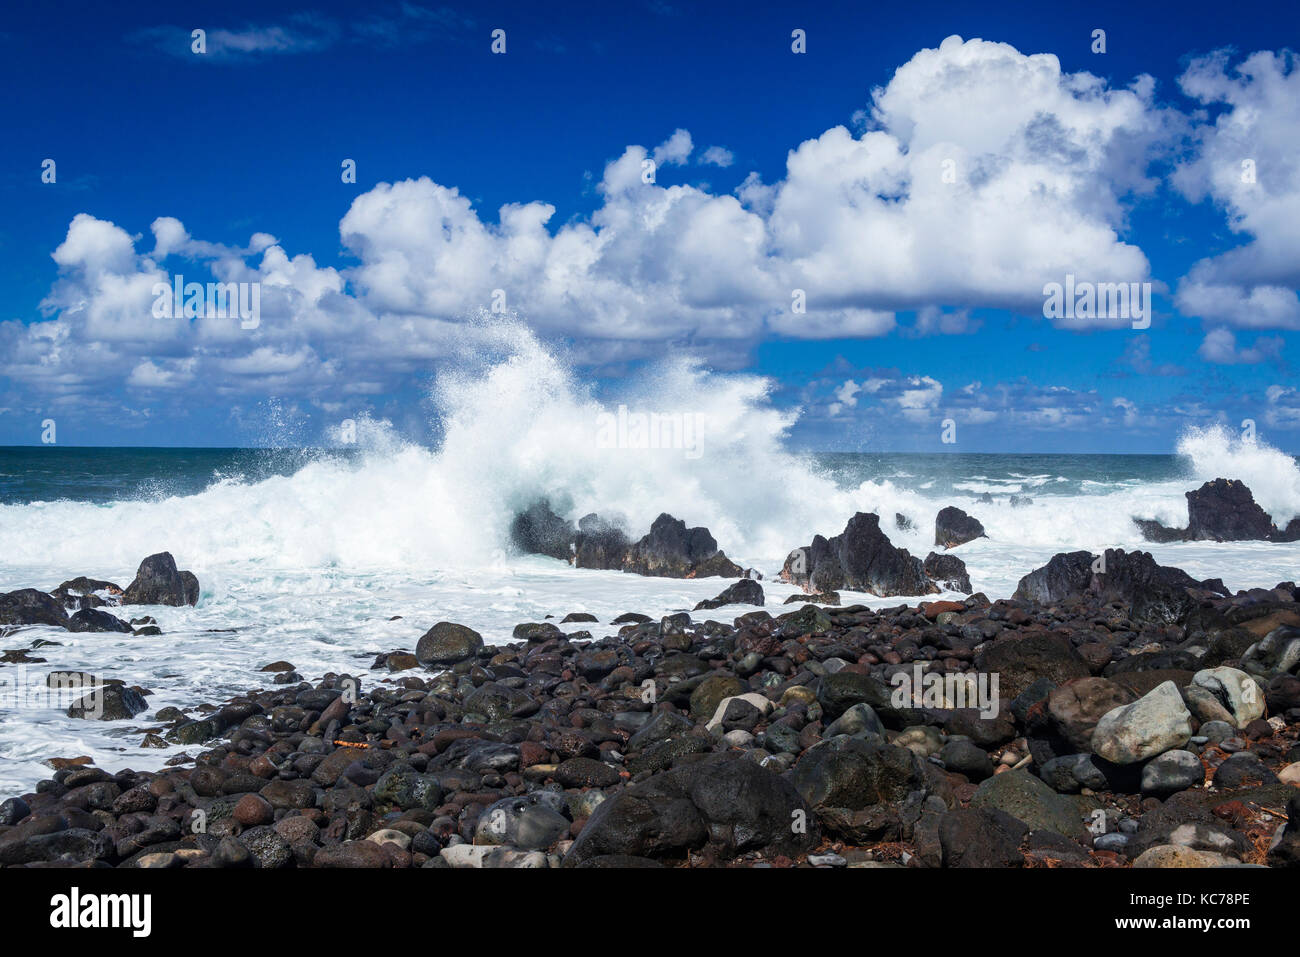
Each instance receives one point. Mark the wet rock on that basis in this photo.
(159, 582)
(744, 592)
(109, 703)
(92, 619)
(671, 550)
(953, 527)
(1225, 511)
(27, 606)
(948, 572)
(539, 531)
(447, 643)
(1155, 592)
(600, 543)
(861, 558)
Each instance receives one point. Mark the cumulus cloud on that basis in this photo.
(1220, 347)
(1248, 163)
(978, 174)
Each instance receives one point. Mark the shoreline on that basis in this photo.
(775, 740)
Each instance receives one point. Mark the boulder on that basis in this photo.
(92, 619)
(1155, 592)
(948, 572)
(447, 643)
(981, 837)
(724, 801)
(953, 527)
(110, 702)
(1155, 723)
(159, 582)
(855, 773)
(1236, 692)
(744, 592)
(1028, 799)
(1171, 772)
(1225, 511)
(1019, 662)
(27, 606)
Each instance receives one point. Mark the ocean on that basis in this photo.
(326, 557)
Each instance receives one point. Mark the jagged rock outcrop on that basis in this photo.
(600, 543)
(861, 558)
(1224, 510)
(671, 550)
(1156, 592)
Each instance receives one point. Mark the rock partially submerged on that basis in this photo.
(668, 550)
(1223, 510)
(861, 558)
(744, 592)
(671, 550)
(953, 527)
(159, 582)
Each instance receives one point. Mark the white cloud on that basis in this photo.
(865, 225)
(1247, 162)
(717, 156)
(1220, 347)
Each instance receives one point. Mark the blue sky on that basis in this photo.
(822, 172)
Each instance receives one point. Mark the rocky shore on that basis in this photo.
(1112, 713)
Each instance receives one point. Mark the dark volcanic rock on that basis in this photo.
(1019, 662)
(861, 558)
(600, 543)
(1156, 592)
(948, 572)
(92, 619)
(109, 703)
(854, 773)
(981, 837)
(744, 592)
(724, 801)
(159, 582)
(27, 606)
(447, 643)
(953, 527)
(671, 550)
(1225, 511)
(539, 531)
